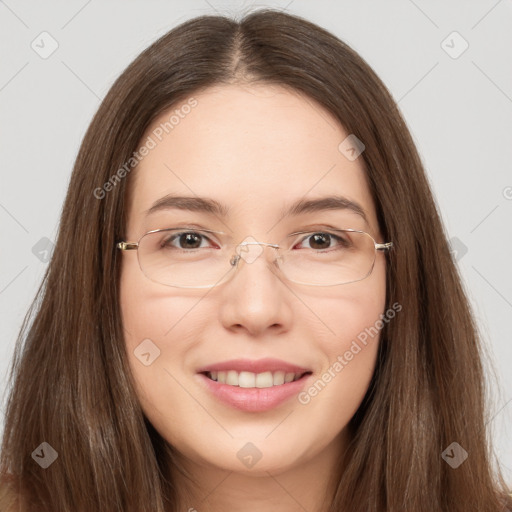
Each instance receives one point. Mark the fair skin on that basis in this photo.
(255, 149)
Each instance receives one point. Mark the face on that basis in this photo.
(256, 150)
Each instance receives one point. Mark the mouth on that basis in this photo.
(254, 386)
(246, 379)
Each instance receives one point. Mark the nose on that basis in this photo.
(255, 298)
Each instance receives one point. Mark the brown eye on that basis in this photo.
(185, 240)
(321, 241)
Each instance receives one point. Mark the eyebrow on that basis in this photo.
(213, 207)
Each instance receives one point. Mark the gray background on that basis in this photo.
(458, 108)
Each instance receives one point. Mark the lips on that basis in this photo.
(254, 366)
(254, 386)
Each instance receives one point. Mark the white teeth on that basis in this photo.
(264, 380)
(253, 380)
(232, 378)
(278, 378)
(245, 380)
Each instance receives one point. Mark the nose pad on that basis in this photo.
(234, 260)
(250, 250)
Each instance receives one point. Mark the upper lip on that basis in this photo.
(254, 366)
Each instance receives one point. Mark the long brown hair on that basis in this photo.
(71, 384)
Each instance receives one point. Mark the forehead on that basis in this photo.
(254, 149)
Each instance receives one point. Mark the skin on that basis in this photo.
(255, 149)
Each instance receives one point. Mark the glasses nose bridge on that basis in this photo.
(235, 258)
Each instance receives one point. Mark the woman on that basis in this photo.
(251, 301)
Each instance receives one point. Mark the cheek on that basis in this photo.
(349, 314)
(350, 353)
(149, 310)
(157, 347)
(149, 317)
(165, 323)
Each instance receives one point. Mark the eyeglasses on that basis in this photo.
(179, 257)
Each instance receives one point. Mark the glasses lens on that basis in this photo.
(185, 259)
(188, 259)
(330, 258)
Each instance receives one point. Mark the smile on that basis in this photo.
(254, 386)
(253, 380)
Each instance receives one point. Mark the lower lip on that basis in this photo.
(254, 399)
